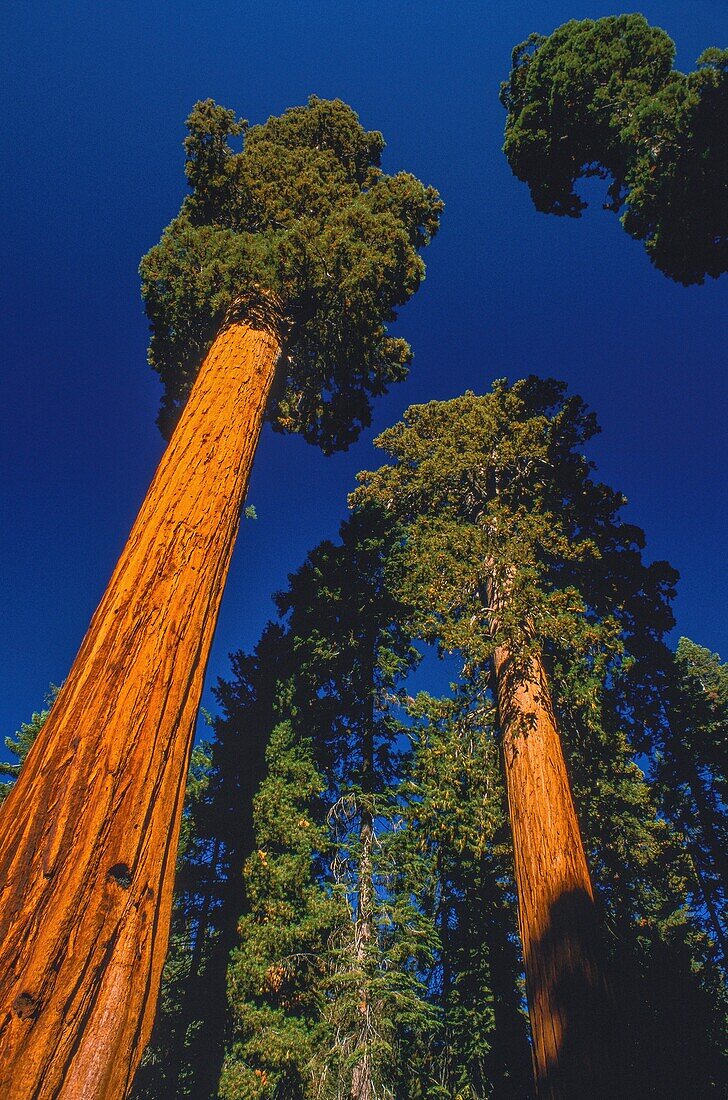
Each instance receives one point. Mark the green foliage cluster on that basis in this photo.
(278, 972)
(600, 98)
(496, 488)
(303, 229)
(21, 743)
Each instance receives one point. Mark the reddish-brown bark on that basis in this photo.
(88, 836)
(565, 985)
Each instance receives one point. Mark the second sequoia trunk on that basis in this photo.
(565, 983)
(88, 836)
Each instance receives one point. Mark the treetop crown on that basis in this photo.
(302, 215)
(601, 98)
(496, 487)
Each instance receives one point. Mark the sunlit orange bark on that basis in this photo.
(88, 836)
(565, 984)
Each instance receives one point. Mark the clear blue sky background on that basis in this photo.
(94, 97)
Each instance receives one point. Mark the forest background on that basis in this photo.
(94, 101)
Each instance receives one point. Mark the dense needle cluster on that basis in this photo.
(303, 230)
(600, 98)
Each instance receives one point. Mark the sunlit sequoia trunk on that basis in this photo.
(565, 984)
(88, 836)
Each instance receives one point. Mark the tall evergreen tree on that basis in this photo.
(520, 560)
(600, 98)
(691, 766)
(351, 652)
(288, 258)
(471, 482)
(458, 845)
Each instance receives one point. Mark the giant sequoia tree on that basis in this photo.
(284, 266)
(518, 559)
(600, 98)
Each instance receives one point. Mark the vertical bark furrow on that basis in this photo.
(88, 836)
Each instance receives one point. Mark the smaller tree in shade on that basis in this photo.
(691, 768)
(663, 961)
(277, 973)
(360, 1010)
(600, 98)
(458, 846)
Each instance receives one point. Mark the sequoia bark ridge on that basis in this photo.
(88, 835)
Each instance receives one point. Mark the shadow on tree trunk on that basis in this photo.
(583, 1060)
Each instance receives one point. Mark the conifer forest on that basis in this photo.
(392, 763)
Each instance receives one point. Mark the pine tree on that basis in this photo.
(458, 848)
(277, 973)
(288, 258)
(690, 748)
(600, 98)
(350, 653)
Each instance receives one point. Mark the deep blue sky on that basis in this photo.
(93, 103)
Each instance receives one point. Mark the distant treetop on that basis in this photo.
(600, 98)
(303, 230)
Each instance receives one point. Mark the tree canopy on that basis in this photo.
(500, 483)
(600, 98)
(302, 230)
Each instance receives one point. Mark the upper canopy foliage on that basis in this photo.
(303, 225)
(498, 486)
(600, 97)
